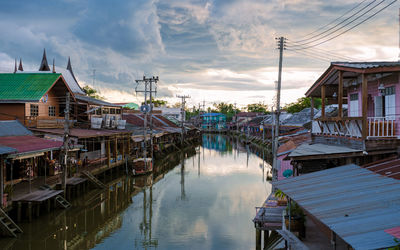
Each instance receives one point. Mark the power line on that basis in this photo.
(348, 18)
(354, 26)
(326, 25)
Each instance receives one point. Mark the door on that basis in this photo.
(354, 105)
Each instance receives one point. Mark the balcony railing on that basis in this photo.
(352, 127)
(381, 127)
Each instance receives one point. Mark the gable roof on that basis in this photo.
(13, 128)
(25, 87)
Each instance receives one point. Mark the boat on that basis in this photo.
(142, 166)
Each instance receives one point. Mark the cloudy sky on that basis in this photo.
(212, 50)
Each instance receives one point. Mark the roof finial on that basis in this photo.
(69, 68)
(54, 67)
(15, 66)
(20, 68)
(44, 66)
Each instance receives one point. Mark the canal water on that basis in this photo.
(201, 198)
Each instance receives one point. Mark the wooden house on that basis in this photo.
(35, 99)
(368, 130)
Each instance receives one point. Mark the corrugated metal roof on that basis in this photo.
(91, 100)
(6, 150)
(357, 204)
(29, 143)
(26, 87)
(366, 65)
(320, 149)
(13, 128)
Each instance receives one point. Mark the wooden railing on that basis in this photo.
(352, 127)
(348, 126)
(381, 127)
(44, 121)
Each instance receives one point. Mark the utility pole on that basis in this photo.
(65, 145)
(183, 97)
(236, 120)
(281, 47)
(146, 109)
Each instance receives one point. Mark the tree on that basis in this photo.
(227, 109)
(158, 103)
(91, 92)
(302, 103)
(257, 107)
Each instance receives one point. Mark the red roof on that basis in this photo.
(158, 120)
(83, 133)
(395, 232)
(294, 142)
(389, 167)
(29, 143)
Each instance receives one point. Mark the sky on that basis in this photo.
(213, 50)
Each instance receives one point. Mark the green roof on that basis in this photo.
(25, 86)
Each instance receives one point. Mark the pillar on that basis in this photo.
(364, 94)
(108, 153)
(266, 238)
(340, 95)
(323, 101)
(258, 239)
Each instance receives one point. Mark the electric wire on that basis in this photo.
(347, 30)
(343, 21)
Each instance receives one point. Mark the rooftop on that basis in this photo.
(13, 128)
(359, 205)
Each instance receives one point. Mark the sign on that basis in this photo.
(145, 108)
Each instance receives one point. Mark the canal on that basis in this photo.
(201, 198)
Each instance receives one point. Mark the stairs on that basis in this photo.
(8, 225)
(274, 240)
(94, 179)
(63, 202)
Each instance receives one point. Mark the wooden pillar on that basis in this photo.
(1, 182)
(129, 145)
(312, 113)
(108, 152)
(115, 148)
(266, 238)
(364, 94)
(340, 95)
(323, 101)
(19, 211)
(30, 211)
(123, 148)
(258, 239)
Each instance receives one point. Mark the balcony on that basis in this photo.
(44, 122)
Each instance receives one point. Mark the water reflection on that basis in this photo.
(200, 198)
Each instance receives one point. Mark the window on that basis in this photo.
(98, 111)
(105, 111)
(112, 111)
(34, 110)
(118, 111)
(52, 111)
(390, 103)
(353, 105)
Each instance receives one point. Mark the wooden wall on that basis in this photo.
(12, 111)
(53, 100)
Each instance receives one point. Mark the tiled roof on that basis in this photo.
(138, 120)
(82, 133)
(25, 87)
(13, 128)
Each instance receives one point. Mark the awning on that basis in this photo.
(319, 151)
(356, 203)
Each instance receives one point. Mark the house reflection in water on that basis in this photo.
(216, 142)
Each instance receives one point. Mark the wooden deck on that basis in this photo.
(39, 195)
(269, 216)
(75, 181)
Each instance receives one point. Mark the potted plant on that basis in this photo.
(297, 219)
(282, 201)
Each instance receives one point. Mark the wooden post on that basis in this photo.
(1, 182)
(364, 94)
(30, 211)
(115, 149)
(312, 113)
(266, 238)
(258, 239)
(340, 95)
(123, 148)
(323, 101)
(19, 211)
(108, 152)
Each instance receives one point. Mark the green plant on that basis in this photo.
(279, 194)
(397, 246)
(295, 211)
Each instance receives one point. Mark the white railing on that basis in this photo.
(381, 127)
(344, 127)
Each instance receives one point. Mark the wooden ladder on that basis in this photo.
(8, 224)
(94, 179)
(63, 202)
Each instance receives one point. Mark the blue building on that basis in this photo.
(213, 121)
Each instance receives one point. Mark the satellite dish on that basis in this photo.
(144, 108)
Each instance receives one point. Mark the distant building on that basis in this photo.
(171, 112)
(213, 121)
